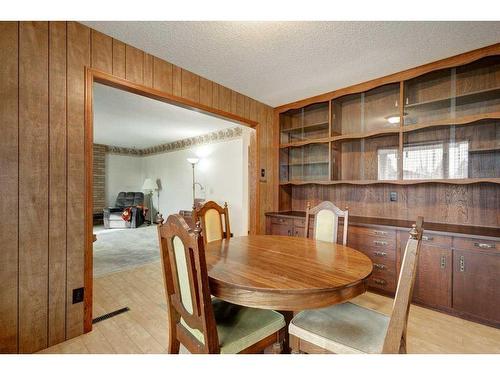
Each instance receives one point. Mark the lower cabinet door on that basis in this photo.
(433, 281)
(281, 230)
(476, 283)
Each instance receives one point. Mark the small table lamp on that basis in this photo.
(149, 186)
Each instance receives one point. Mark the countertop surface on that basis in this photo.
(455, 229)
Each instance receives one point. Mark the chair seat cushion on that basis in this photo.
(345, 328)
(240, 327)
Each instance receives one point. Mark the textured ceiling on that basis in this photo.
(280, 62)
(129, 120)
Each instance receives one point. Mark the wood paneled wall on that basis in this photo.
(42, 165)
(474, 204)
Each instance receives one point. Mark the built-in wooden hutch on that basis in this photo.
(425, 141)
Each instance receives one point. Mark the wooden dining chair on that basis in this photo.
(196, 320)
(348, 328)
(210, 216)
(326, 222)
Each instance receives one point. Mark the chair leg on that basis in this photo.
(277, 348)
(173, 345)
(294, 344)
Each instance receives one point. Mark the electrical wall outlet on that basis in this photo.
(262, 175)
(78, 294)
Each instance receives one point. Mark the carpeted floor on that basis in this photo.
(121, 249)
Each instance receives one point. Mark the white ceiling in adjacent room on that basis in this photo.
(280, 62)
(129, 120)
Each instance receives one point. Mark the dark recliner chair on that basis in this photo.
(113, 215)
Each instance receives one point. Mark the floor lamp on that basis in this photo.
(193, 162)
(149, 186)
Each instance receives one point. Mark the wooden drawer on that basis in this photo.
(463, 243)
(298, 231)
(299, 223)
(373, 247)
(281, 221)
(428, 239)
(373, 232)
(384, 266)
(281, 230)
(381, 281)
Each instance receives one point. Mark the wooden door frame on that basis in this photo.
(93, 75)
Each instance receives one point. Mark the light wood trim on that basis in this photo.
(78, 57)
(9, 185)
(33, 185)
(57, 183)
(134, 64)
(102, 51)
(119, 58)
(162, 75)
(448, 62)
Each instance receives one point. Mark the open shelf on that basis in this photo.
(458, 181)
(306, 127)
(304, 143)
(460, 98)
(439, 127)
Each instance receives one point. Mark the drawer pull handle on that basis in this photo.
(379, 281)
(379, 266)
(427, 238)
(483, 245)
(380, 232)
(443, 261)
(380, 243)
(380, 253)
(462, 263)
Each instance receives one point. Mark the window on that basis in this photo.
(459, 160)
(423, 162)
(387, 164)
(426, 161)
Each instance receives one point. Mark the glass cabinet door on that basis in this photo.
(452, 152)
(370, 159)
(381, 108)
(478, 89)
(428, 99)
(367, 112)
(308, 123)
(454, 96)
(305, 163)
(346, 117)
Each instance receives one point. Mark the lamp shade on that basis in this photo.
(193, 160)
(149, 185)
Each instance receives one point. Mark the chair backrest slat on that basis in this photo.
(326, 222)
(210, 216)
(395, 339)
(186, 284)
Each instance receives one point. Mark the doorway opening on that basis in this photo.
(142, 146)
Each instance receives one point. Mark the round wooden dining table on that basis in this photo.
(285, 273)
